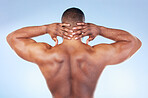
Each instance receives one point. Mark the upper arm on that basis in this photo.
(117, 52)
(29, 49)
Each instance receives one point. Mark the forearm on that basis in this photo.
(116, 34)
(125, 45)
(28, 32)
(24, 35)
(122, 39)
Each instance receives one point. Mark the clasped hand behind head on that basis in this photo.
(65, 31)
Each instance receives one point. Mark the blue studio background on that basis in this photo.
(22, 79)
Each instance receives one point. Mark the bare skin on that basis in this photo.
(71, 69)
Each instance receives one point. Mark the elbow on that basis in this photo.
(139, 43)
(136, 43)
(10, 38)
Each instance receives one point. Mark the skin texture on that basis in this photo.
(72, 69)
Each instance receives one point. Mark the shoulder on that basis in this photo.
(36, 52)
(103, 52)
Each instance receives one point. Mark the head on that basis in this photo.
(73, 16)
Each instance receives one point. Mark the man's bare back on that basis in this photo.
(71, 69)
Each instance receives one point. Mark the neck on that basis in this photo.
(72, 41)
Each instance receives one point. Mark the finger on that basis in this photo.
(81, 23)
(79, 37)
(56, 40)
(66, 37)
(79, 27)
(66, 29)
(66, 34)
(85, 34)
(65, 25)
(77, 32)
(89, 39)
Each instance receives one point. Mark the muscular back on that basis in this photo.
(71, 70)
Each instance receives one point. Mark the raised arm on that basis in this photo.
(124, 47)
(27, 48)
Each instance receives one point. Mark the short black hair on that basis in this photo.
(72, 16)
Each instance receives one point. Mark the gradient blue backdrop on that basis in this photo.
(22, 79)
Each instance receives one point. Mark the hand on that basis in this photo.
(86, 29)
(58, 29)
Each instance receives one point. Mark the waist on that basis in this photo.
(72, 96)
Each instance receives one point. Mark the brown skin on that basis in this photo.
(72, 68)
